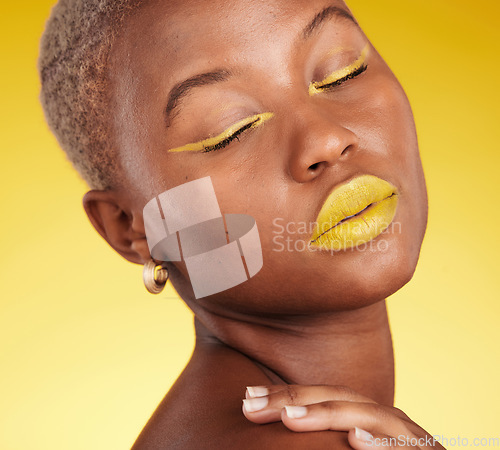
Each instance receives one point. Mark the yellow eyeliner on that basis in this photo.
(316, 86)
(255, 121)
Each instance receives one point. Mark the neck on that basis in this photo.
(349, 348)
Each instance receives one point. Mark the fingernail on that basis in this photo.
(257, 391)
(363, 435)
(255, 404)
(295, 412)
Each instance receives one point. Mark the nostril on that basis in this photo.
(314, 166)
(346, 150)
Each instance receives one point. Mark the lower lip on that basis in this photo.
(360, 228)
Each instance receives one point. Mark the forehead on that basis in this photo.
(189, 34)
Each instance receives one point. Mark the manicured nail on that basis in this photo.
(257, 391)
(296, 412)
(363, 435)
(255, 404)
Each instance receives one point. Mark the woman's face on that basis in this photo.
(261, 57)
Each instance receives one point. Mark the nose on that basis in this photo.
(319, 140)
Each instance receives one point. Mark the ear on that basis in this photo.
(123, 230)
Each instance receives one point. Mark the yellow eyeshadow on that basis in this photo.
(339, 50)
(255, 121)
(316, 86)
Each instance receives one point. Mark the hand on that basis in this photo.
(320, 408)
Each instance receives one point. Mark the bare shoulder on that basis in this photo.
(203, 410)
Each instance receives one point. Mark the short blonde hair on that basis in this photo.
(75, 93)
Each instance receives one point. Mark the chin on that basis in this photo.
(359, 277)
(385, 272)
(382, 273)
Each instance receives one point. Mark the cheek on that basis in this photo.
(389, 130)
(388, 116)
(390, 145)
(405, 155)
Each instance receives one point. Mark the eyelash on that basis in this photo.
(225, 142)
(342, 80)
(229, 139)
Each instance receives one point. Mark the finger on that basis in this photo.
(301, 394)
(360, 439)
(263, 404)
(343, 416)
(262, 391)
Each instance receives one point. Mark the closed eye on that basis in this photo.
(340, 76)
(226, 137)
(226, 141)
(338, 82)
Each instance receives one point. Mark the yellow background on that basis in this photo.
(86, 354)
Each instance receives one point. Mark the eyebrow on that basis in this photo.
(326, 14)
(180, 90)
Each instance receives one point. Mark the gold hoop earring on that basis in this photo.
(155, 277)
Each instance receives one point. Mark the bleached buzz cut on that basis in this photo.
(75, 92)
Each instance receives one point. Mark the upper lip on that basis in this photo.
(349, 199)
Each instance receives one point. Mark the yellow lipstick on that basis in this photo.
(355, 213)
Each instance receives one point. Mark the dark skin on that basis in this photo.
(307, 318)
